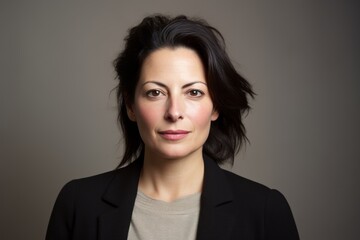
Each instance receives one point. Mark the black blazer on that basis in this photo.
(232, 207)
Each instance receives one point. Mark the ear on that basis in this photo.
(130, 113)
(214, 115)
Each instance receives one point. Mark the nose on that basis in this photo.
(174, 109)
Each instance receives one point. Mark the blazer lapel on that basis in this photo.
(121, 194)
(217, 213)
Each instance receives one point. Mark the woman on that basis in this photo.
(181, 104)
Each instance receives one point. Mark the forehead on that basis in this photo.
(173, 63)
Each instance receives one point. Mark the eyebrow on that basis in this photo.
(164, 86)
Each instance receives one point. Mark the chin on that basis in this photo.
(171, 153)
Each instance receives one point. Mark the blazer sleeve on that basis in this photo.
(62, 216)
(279, 221)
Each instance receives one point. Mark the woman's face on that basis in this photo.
(172, 105)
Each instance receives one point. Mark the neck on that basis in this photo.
(170, 179)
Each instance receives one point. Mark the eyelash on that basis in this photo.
(153, 93)
(198, 93)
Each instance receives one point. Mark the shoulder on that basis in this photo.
(243, 191)
(81, 201)
(255, 192)
(93, 187)
(246, 188)
(88, 184)
(243, 183)
(265, 204)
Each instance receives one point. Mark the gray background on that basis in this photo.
(58, 115)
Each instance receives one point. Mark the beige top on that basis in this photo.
(158, 220)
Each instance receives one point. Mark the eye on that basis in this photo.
(195, 93)
(153, 93)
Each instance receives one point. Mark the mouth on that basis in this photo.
(174, 135)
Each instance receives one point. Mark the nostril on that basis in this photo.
(173, 116)
(173, 112)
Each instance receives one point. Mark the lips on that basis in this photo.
(174, 135)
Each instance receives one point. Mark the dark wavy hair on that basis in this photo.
(228, 90)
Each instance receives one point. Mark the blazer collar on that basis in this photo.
(121, 194)
(216, 211)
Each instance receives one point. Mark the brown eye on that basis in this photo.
(153, 93)
(195, 93)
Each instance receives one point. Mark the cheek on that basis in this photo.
(201, 115)
(147, 114)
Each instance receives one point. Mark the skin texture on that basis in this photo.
(173, 111)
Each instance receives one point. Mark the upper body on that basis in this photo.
(180, 99)
(232, 207)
